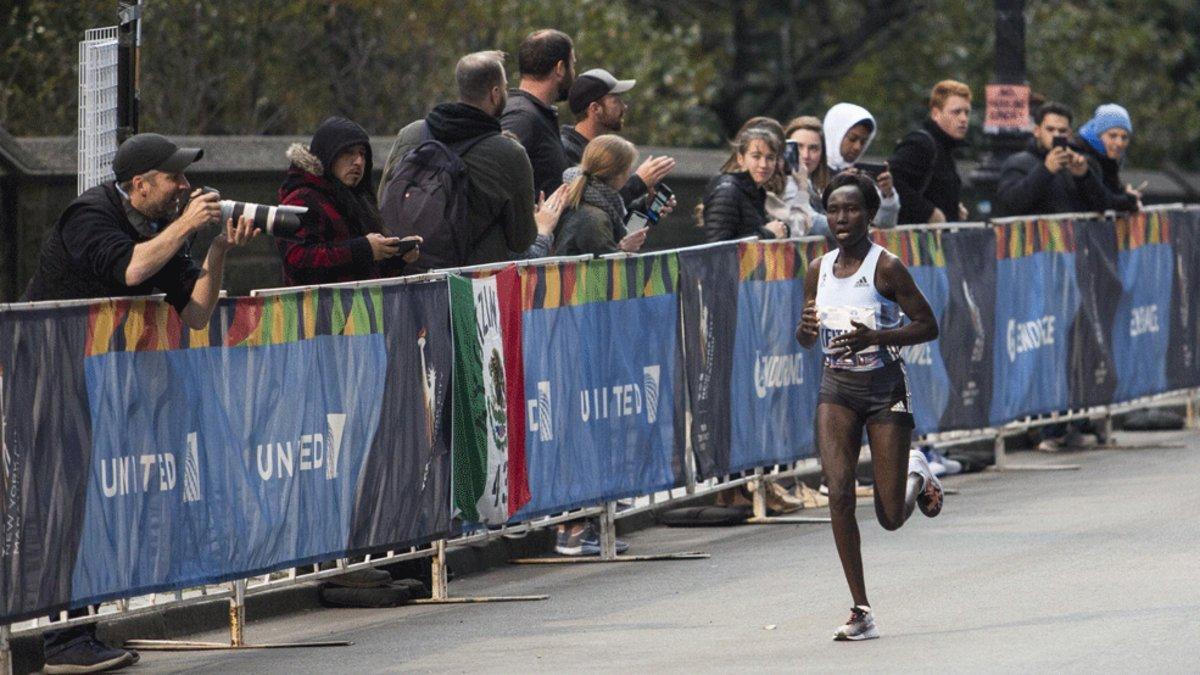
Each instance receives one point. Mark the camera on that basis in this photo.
(281, 221)
(1060, 142)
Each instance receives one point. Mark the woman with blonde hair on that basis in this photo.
(595, 218)
(812, 175)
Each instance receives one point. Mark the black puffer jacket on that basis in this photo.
(735, 207)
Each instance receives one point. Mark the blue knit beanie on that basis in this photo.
(1107, 116)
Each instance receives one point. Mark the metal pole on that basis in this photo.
(237, 614)
(1009, 68)
(608, 531)
(999, 451)
(6, 664)
(437, 577)
(759, 495)
(129, 40)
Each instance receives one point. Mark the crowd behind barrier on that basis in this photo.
(307, 425)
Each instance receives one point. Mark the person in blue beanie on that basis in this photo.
(1106, 139)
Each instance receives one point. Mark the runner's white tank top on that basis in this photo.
(855, 298)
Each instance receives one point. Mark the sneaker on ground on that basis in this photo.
(87, 655)
(1048, 445)
(584, 542)
(935, 466)
(860, 625)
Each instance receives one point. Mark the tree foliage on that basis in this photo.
(258, 67)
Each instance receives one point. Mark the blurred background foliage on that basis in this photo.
(279, 67)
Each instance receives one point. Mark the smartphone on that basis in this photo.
(406, 245)
(871, 169)
(662, 195)
(1060, 142)
(791, 155)
(636, 221)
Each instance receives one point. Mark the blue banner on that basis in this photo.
(1140, 335)
(1036, 301)
(599, 376)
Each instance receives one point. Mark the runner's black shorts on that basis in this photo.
(876, 396)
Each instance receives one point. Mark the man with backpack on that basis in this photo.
(923, 167)
(457, 182)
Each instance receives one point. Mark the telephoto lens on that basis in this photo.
(282, 222)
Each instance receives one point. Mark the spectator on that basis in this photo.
(808, 134)
(1045, 178)
(501, 214)
(784, 201)
(547, 63)
(340, 237)
(595, 100)
(595, 218)
(849, 130)
(125, 238)
(1105, 139)
(923, 165)
(735, 203)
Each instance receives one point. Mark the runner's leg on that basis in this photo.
(895, 489)
(839, 430)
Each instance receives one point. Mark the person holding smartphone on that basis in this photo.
(1051, 175)
(849, 130)
(341, 236)
(595, 217)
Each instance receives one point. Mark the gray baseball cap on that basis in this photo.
(594, 85)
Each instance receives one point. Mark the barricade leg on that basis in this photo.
(759, 502)
(6, 666)
(608, 548)
(237, 632)
(439, 591)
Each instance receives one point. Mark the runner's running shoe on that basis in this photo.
(929, 500)
(860, 625)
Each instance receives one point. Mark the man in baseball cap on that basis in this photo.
(595, 99)
(151, 152)
(132, 236)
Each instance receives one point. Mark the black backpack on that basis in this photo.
(426, 195)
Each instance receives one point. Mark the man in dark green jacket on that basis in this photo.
(500, 206)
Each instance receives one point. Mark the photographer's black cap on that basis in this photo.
(147, 152)
(594, 85)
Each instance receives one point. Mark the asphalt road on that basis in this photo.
(1095, 569)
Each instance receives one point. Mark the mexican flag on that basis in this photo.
(490, 483)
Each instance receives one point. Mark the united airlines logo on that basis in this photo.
(623, 400)
(540, 413)
(1027, 336)
(776, 372)
(317, 451)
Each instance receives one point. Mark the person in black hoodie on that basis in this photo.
(340, 237)
(1105, 139)
(923, 164)
(1047, 178)
(735, 203)
(501, 213)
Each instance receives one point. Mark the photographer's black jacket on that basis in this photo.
(86, 253)
(1027, 188)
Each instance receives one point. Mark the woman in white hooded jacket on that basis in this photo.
(849, 130)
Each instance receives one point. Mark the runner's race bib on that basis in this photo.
(835, 321)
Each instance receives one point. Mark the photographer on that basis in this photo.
(340, 237)
(130, 237)
(126, 238)
(1049, 176)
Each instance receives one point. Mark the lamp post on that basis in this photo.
(1006, 125)
(129, 41)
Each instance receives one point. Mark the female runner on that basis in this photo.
(854, 297)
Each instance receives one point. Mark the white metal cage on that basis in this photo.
(97, 136)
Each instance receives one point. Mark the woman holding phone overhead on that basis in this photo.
(849, 130)
(855, 298)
